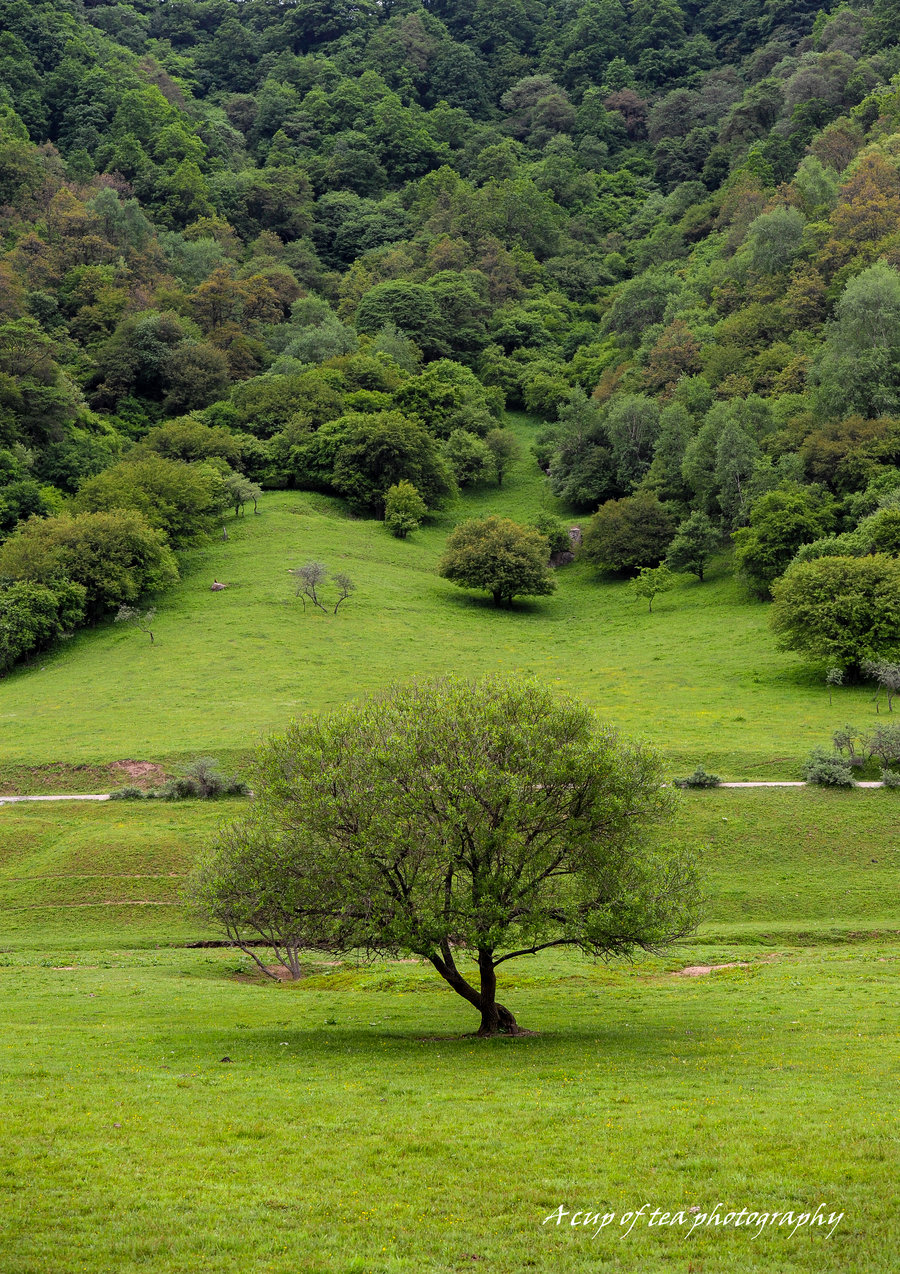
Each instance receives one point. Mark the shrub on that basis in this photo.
(626, 534)
(117, 557)
(554, 532)
(890, 778)
(128, 793)
(827, 770)
(404, 509)
(699, 778)
(202, 780)
(842, 609)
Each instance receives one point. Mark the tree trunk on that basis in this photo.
(496, 1019)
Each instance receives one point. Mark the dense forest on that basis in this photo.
(324, 244)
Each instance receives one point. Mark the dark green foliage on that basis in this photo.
(699, 779)
(629, 533)
(779, 523)
(499, 556)
(695, 540)
(33, 615)
(116, 557)
(555, 532)
(361, 456)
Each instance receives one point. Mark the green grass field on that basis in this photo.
(700, 676)
(168, 1111)
(355, 1127)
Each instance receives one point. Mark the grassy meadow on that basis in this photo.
(700, 676)
(355, 1127)
(168, 1110)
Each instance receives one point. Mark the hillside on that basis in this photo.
(323, 248)
(788, 867)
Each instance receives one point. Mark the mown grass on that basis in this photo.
(699, 676)
(357, 1129)
(168, 1110)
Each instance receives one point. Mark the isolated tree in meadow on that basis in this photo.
(695, 540)
(310, 577)
(842, 609)
(457, 820)
(240, 490)
(500, 556)
(140, 619)
(650, 581)
(404, 509)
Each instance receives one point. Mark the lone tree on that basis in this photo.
(504, 447)
(695, 541)
(478, 820)
(500, 556)
(404, 509)
(140, 619)
(625, 534)
(650, 581)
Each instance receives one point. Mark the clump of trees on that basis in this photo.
(500, 557)
(500, 821)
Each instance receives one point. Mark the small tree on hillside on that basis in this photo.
(469, 457)
(504, 447)
(310, 577)
(887, 678)
(695, 540)
(485, 818)
(242, 491)
(500, 556)
(650, 581)
(140, 619)
(404, 509)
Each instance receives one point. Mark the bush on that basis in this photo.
(202, 780)
(827, 770)
(404, 509)
(117, 557)
(554, 532)
(625, 534)
(699, 778)
(890, 778)
(843, 610)
(128, 793)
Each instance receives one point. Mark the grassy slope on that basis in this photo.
(700, 676)
(781, 866)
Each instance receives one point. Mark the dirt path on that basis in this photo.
(104, 796)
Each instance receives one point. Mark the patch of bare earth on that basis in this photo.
(140, 773)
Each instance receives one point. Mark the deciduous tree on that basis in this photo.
(478, 818)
